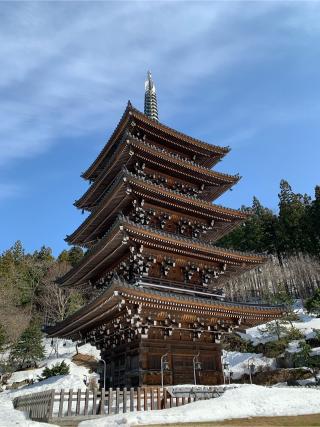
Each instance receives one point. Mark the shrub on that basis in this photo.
(293, 334)
(57, 369)
(232, 342)
(275, 348)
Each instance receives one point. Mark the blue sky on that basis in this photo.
(242, 73)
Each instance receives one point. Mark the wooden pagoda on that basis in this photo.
(155, 275)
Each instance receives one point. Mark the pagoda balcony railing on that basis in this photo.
(197, 290)
(177, 286)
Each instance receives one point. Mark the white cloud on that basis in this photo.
(69, 67)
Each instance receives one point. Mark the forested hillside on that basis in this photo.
(292, 239)
(28, 289)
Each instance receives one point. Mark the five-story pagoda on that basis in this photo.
(154, 272)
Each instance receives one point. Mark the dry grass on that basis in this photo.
(298, 421)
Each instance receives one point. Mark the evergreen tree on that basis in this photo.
(29, 349)
(75, 255)
(259, 233)
(64, 256)
(72, 256)
(313, 304)
(45, 254)
(312, 224)
(3, 337)
(292, 218)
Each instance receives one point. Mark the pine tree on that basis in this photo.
(312, 224)
(75, 255)
(29, 349)
(72, 256)
(259, 233)
(292, 217)
(64, 256)
(45, 254)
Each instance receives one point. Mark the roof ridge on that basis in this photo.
(191, 240)
(122, 220)
(184, 135)
(177, 156)
(193, 198)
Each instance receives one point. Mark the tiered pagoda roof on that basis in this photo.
(169, 174)
(114, 298)
(206, 154)
(108, 250)
(127, 186)
(152, 265)
(131, 149)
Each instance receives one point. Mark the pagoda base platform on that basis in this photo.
(139, 363)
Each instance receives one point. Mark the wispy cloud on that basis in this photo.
(69, 67)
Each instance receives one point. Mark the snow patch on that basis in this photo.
(242, 402)
(239, 362)
(13, 418)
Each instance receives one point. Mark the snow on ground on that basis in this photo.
(55, 352)
(242, 402)
(66, 350)
(239, 362)
(9, 417)
(32, 374)
(57, 383)
(306, 324)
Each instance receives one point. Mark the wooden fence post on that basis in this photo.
(50, 405)
(158, 398)
(60, 413)
(117, 400)
(145, 399)
(70, 402)
(131, 399)
(78, 401)
(164, 398)
(138, 399)
(151, 399)
(94, 402)
(124, 398)
(86, 402)
(102, 399)
(110, 401)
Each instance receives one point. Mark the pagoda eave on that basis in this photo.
(128, 186)
(125, 233)
(130, 151)
(120, 294)
(210, 154)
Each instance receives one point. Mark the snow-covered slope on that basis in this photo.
(66, 350)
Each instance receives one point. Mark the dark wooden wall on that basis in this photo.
(138, 363)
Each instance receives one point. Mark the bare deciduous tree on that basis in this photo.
(57, 302)
(299, 276)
